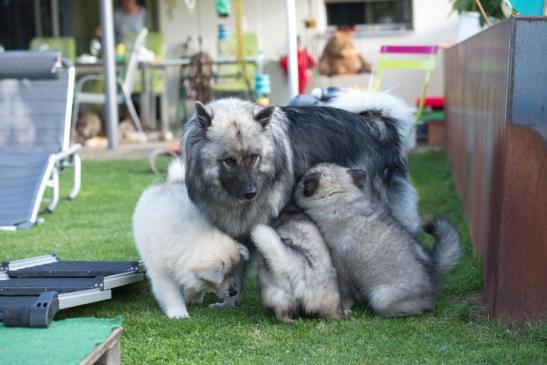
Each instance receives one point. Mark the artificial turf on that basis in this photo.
(97, 225)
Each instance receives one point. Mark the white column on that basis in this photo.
(111, 105)
(290, 9)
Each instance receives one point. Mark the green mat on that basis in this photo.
(65, 342)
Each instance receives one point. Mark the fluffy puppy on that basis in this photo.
(377, 259)
(185, 256)
(295, 271)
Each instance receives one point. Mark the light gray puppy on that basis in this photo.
(377, 259)
(295, 272)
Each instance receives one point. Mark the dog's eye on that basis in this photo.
(254, 158)
(230, 161)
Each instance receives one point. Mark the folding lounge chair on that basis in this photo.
(36, 90)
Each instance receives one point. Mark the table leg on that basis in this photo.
(165, 133)
(145, 97)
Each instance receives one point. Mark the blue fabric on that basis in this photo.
(29, 65)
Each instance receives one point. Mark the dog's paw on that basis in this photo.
(227, 303)
(177, 314)
(347, 312)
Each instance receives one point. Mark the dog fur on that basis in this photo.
(376, 258)
(185, 256)
(243, 160)
(295, 271)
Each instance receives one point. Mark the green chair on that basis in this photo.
(65, 45)
(228, 79)
(426, 64)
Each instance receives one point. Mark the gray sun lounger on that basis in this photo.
(36, 92)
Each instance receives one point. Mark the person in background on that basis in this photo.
(129, 18)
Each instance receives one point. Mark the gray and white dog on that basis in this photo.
(377, 259)
(243, 160)
(295, 271)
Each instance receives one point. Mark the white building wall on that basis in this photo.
(434, 23)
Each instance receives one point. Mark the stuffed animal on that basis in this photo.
(341, 58)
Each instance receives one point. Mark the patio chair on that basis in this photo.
(65, 45)
(35, 104)
(229, 80)
(425, 64)
(125, 86)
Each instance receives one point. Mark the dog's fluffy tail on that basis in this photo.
(176, 171)
(381, 107)
(447, 250)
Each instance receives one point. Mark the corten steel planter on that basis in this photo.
(496, 109)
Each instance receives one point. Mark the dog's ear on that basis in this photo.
(264, 115)
(204, 115)
(213, 275)
(358, 176)
(311, 183)
(244, 252)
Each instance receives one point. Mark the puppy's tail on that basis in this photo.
(447, 250)
(176, 171)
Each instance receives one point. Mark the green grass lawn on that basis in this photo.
(97, 225)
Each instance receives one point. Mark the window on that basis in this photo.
(370, 15)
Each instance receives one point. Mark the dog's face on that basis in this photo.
(237, 157)
(326, 183)
(215, 274)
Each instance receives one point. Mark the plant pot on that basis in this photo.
(528, 7)
(469, 25)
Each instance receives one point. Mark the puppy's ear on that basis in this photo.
(264, 115)
(311, 183)
(204, 115)
(213, 275)
(244, 252)
(358, 176)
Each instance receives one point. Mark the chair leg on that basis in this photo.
(77, 176)
(55, 189)
(133, 112)
(75, 111)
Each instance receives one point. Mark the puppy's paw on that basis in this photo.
(227, 303)
(347, 312)
(177, 314)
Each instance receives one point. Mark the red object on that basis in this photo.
(434, 102)
(305, 62)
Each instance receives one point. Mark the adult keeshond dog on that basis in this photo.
(243, 160)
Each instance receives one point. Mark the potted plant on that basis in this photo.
(471, 20)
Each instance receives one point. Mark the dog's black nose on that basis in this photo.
(249, 191)
(250, 195)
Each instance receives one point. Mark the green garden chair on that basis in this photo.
(426, 64)
(65, 45)
(228, 80)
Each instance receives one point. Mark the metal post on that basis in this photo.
(37, 18)
(292, 50)
(55, 18)
(111, 105)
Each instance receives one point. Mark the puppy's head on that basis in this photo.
(214, 273)
(327, 184)
(238, 155)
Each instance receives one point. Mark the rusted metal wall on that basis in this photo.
(496, 96)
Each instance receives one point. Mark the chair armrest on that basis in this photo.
(86, 78)
(68, 152)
